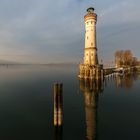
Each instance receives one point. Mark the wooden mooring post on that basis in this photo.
(58, 89)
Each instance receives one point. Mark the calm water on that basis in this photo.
(94, 111)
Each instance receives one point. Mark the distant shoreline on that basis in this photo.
(43, 64)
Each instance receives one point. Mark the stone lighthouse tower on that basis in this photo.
(90, 51)
(90, 69)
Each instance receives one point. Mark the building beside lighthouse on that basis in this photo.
(90, 69)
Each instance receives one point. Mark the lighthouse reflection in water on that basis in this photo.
(91, 90)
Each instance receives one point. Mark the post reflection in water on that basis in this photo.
(121, 81)
(90, 90)
(58, 134)
(126, 80)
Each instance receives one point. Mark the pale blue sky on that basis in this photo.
(51, 31)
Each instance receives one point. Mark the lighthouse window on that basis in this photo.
(87, 37)
(91, 44)
(87, 23)
(87, 54)
(91, 22)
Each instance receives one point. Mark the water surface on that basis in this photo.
(101, 111)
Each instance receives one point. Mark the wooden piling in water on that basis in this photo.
(58, 89)
(99, 72)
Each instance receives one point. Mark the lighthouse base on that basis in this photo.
(93, 72)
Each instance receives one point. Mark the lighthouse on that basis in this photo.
(90, 50)
(90, 69)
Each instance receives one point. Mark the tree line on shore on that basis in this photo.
(125, 58)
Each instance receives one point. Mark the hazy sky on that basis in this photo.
(46, 31)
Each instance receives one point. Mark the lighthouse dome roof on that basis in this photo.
(90, 10)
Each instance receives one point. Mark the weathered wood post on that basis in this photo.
(55, 104)
(99, 72)
(58, 104)
(60, 86)
(58, 90)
